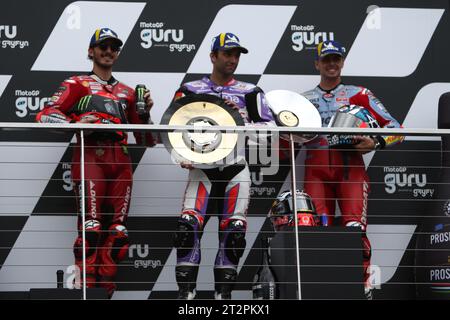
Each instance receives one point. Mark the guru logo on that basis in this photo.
(10, 33)
(139, 250)
(305, 37)
(67, 176)
(142, 252)
(28, 101)
(394, 180)
(155, 36)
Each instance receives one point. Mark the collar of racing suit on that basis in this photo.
(215, 87)
(112, 81)
(331, 90)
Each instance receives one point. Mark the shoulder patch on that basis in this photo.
(196, 84)
(72, 81)
(82, 77)
(366, 91)
(244, 86)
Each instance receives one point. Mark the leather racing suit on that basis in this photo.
(332, 174)
(226, 189)
(108, 170)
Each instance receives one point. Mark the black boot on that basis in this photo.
(224, 279)
(186, 278)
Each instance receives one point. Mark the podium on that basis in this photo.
(330, 263)
(68, 294)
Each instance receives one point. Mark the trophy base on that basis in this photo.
(341, 141)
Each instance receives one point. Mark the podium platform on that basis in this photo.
(330, 263)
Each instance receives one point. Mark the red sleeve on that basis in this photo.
(69, 92)
(368, 100)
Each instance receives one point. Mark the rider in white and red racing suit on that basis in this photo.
(332, 174)
(108, 170)
(229, 183)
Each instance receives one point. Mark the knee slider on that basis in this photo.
(93, 229)
(235, 242)
(189, 223)
(118, 241)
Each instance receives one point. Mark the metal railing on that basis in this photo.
(82, 128)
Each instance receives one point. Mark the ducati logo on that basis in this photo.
(305, 220)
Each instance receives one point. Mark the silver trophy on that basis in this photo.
(294, 110)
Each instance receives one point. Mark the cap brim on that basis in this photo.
(329, 53)
(117, 40)
(242, 49)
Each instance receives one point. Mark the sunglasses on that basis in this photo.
(105, 46)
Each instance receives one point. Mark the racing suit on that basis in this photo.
(108, 171)
(227, 188)
(332, 174)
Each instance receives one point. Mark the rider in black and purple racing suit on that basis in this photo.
(229, 183)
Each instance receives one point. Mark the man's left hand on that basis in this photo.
(365, 144)
(148, 100)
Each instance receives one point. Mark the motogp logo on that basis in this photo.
(29, 102)
(150, 36)
(394, 180)
(306, 37)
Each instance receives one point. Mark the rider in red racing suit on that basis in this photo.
(332, 174)
(108, 170)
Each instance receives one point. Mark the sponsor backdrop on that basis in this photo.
(398, 49)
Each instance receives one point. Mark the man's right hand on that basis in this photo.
(365, 144)
(187, 165)
(232, 104)
(89, 118)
